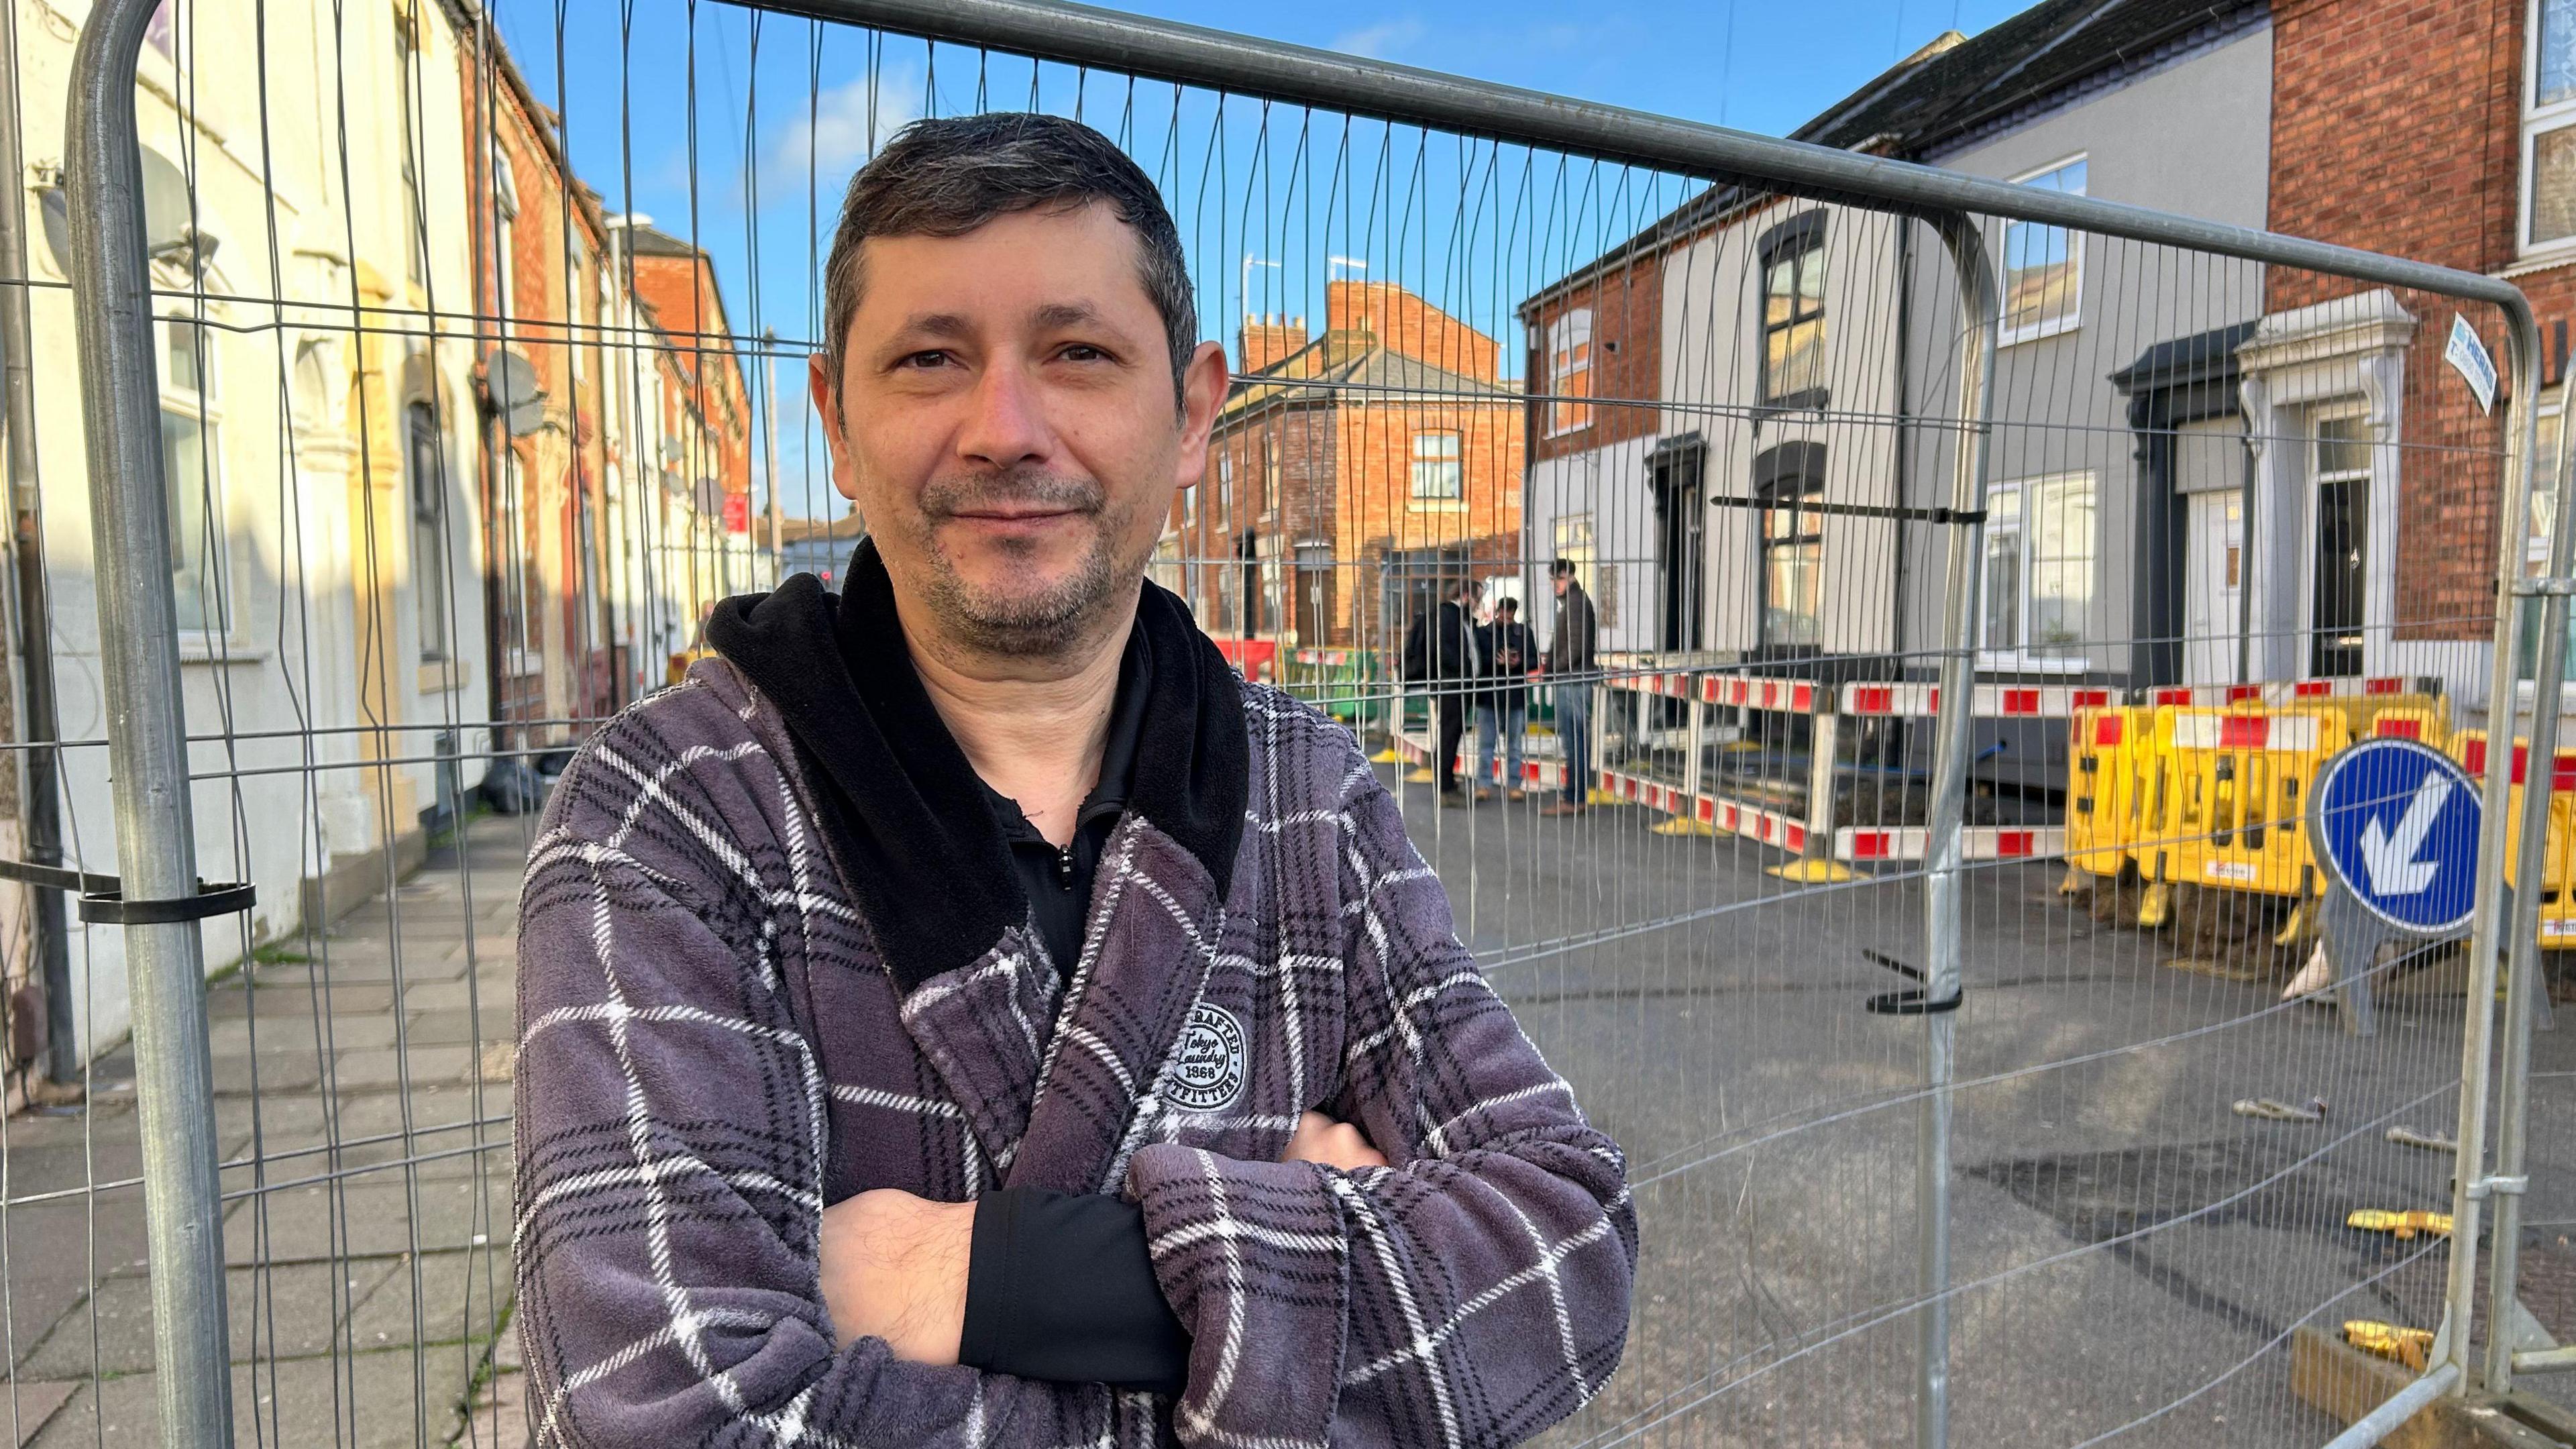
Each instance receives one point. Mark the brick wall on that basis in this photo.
(1408, 324)
(2397, 128)
(1627, 305)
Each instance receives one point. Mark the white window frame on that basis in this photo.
(2007, 334)
(2025, 658)
(1456, 460)
(2537, 120)
(203, 405)
(1564, 335)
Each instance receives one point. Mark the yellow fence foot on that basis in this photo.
(1386, 756)
(1602, 797)
(2155, 906)
(2295, 929)
(1683, 825)
(2077, 877)
(1421, 775)
(2402, 1226)
(2409, 1346)
(1812, 871)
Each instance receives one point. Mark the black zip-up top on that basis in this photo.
(1058, 880)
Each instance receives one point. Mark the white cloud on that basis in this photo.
(830, 140)
(1379, 41)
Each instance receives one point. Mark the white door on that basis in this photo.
(2213, 563)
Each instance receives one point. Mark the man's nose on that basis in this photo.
(1006, 425)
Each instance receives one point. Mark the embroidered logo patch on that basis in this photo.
(1209, 1075)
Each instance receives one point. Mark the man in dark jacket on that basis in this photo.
(1570, 657)
(964, 1012)
(1502, 708)
(1444, 651)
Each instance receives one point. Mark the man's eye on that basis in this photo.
(1083, 352)
(924, 360)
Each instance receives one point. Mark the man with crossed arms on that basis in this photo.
(966, 1013)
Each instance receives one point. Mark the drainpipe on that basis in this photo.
(43, 797)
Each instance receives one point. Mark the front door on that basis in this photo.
(2213, 563)
(1681, 557)
(2337, 598)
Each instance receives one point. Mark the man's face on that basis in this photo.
(1007, 423)
(1558, 583)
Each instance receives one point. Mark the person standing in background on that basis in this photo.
(1503, 708)
(1570, 656)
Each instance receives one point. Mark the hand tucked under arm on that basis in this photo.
(894, 1267)
(1319, 1138)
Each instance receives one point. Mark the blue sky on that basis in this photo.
(739, 130)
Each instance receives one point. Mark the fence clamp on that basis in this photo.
(103, 902)
(2544, 588)
(1914, 1001)
(2479, 1189)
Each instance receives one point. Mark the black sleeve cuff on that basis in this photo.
(1060, 1287)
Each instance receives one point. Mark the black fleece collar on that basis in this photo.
(923, 853)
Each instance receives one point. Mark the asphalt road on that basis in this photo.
(2128, 1254)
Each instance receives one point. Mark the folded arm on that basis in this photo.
(671, 1146)
(1473, 1292)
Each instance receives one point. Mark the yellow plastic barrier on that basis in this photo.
(2105, 789)
(2558, 866)
(2425, 717)
(2238, 808)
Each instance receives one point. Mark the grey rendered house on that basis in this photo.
(1810, 365)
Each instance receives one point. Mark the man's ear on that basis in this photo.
(1202, 394)
(827, 406)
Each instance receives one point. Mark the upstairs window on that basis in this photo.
(2043, 265)
(1439, 467)
(2549, 128)
(1793, 313)
(1569, 371)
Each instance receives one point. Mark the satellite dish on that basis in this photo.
(510, 381)
(166, 218)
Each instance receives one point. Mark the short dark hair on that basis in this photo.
(949, 176)
(1561, 569)
(1507, 605)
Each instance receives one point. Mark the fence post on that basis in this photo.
(2477, 1032)
(2522, 946)
(1942, 924)
(147, 750)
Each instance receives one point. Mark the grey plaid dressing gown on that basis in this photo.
(712, 1049)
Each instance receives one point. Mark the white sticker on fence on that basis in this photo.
(2468, 356)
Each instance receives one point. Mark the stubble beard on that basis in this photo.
(1037, 621)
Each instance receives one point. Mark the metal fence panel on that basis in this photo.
(430, 393)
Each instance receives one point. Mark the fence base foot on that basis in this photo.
(1602, 797)
(1421, 775)
(1683, 825)
(2155, 907)
(2295, 929)
(1386, 756)
(1812, 871)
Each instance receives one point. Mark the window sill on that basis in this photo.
(440, 676)
(1437, 505)
(1990, 661)
(2544, 257)
(1552, 434)
(201, 647)
(2015, 336)
(1813, 400)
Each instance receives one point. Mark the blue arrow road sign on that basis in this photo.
(2397, 822)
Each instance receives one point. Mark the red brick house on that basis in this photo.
(1350, 469)
(2468, 108)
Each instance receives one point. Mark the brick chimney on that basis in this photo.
(1266, 338)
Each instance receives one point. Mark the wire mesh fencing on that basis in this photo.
(1858, 659)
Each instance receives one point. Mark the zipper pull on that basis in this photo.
(1064, 867)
